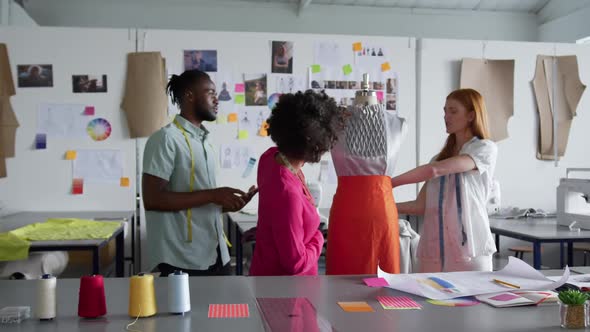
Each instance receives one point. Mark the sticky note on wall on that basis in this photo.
(358, 46)
(240, 88)
(71, 155)
(125, 182)
(239, 99)
(347, 69)
(380, 96)
(385, 66)
(243, 134)
(77, 186)
(89, 110)
(232, 117)
(41, 141)
(316, 69)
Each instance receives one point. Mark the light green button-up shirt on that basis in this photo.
(167, 156)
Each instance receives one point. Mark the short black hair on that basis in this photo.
(178, 84)
(305, 125)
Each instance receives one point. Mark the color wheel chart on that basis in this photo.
(273, 100)
(99, 129)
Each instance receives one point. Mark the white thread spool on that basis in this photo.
(179, 298)
(46, 299)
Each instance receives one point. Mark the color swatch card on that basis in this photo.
(457, 302)
(376, 282)
(398, 302)
(228, 311)
(360, 306)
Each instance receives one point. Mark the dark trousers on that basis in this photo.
(217, 269)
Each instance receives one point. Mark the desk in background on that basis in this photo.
(538, 231)
(21, 219)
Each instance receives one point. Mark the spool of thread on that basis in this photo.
(91, 298)
(179, 297)
(46, 299)
(142, 298)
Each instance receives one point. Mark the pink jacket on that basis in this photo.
(288, 240)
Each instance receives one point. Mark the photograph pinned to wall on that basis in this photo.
(235, 156)
(391, 102)
(99, 129)
(35, 76)
(282, 57)
(370, 55)
(89, 83)
(391, 84)
(290, 83)
(255, 86)
(203, 60)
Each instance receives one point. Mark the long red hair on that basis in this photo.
(473, 102)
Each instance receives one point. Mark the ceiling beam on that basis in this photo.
(302, 5)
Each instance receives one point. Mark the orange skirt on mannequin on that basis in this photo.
(363, 230)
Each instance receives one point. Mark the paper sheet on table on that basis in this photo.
(99, 166)
(62, 120)
(472, 283)
(580, 280)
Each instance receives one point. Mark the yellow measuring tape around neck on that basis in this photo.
(189, 213)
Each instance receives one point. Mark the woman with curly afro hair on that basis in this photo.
(303, 126)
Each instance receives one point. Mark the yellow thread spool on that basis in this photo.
(142, 297)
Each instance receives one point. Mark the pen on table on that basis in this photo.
(504, 283)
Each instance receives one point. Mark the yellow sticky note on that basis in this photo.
(71, 155)
(385, 66)
(316, 69)
(124, 182)
(222, 119)
(232, 117)
(356, 306)
(357, 46)
(243, 134)
(239, 99)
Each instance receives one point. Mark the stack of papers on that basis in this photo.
(518, 298)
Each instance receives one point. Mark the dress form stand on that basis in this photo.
(365, 96)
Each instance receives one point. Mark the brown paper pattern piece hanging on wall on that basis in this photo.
(494, 80)
(145, 103)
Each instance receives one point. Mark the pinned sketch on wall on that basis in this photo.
(235, 156)
(494, 80)
(62, 120)
(290, 83)
(203, 60)
(250, 122)
(89, 83)
(370, 55)
(282, 57)
(255, 87)
(558, 91)
(329, 53)
(224, 84)
(34, 76)
(98, 166)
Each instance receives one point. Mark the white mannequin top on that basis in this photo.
(370, 143)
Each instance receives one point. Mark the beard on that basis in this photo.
(206, 114)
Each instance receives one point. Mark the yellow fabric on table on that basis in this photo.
(13, 248)
(67, 229)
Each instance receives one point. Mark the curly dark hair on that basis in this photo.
(305, 125)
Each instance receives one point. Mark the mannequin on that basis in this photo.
(364, 229)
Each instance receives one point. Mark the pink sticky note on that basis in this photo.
(89, 110)
(380, 95)
(504, 297)
(376, 282)
(228, 311)
(398, 302)
(240, 88)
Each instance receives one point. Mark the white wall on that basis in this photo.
(568, 28)
(41, 180)
(282, 17)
